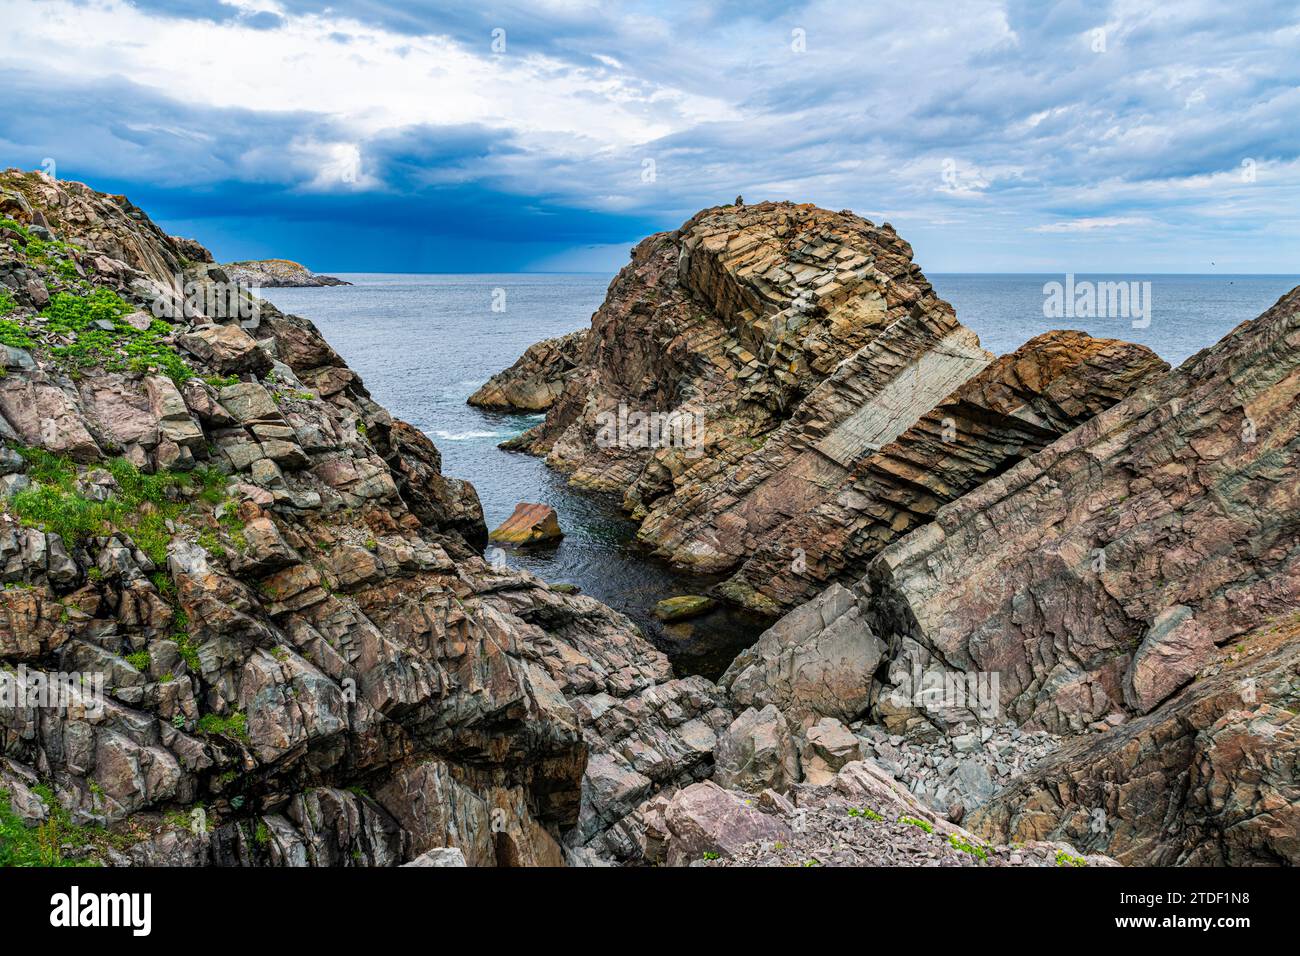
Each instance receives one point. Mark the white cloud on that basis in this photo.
(1092, 223)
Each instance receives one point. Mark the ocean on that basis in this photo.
(423, 343)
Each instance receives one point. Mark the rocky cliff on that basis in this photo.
(840, 403)
(1127, 597)
(1099, 576)
(278, 639)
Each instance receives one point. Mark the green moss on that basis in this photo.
(210, 543)
(234, 725)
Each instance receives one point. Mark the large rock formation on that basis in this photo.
(834, 401)
(1098, 577)
(536, 380)
(1207, 779)
(293, 650)
(1133, 586)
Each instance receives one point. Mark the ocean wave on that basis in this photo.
(465, 436)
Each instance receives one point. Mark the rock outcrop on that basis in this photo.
(1127, 595)
(1098, 577)
(1207, 779)
(536, 380)
(283, 644)
(834, 400)
(277, 273)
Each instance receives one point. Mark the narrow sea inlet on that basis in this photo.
(423, 343)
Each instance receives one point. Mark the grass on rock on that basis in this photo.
(143, 505)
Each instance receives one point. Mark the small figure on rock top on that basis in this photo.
(740, 201)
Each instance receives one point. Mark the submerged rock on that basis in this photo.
(683, 606)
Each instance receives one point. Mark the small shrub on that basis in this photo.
(866, 813)
(965, 846)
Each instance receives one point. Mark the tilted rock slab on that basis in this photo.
(810, 354)
(1096, 578)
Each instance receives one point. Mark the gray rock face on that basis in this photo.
(817, 661)
(827, 746)
(440, 856)
(757, 752)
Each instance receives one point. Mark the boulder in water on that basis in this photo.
(530, 524)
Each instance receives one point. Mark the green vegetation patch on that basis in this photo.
(234, 725)
(94, 333)
(958, 843)
(865, 813)
(142, 505)
(922, 824)
(43, 845)
(1065, 859)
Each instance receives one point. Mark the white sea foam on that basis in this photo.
(465, 436)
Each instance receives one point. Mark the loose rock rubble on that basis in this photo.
(854, 820)
(957, 774)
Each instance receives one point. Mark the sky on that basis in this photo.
(423, 136)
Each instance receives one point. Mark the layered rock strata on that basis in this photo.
(536, 380)
(1099, 577)
(837, 400)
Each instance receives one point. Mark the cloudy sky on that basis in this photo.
(366, 135)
